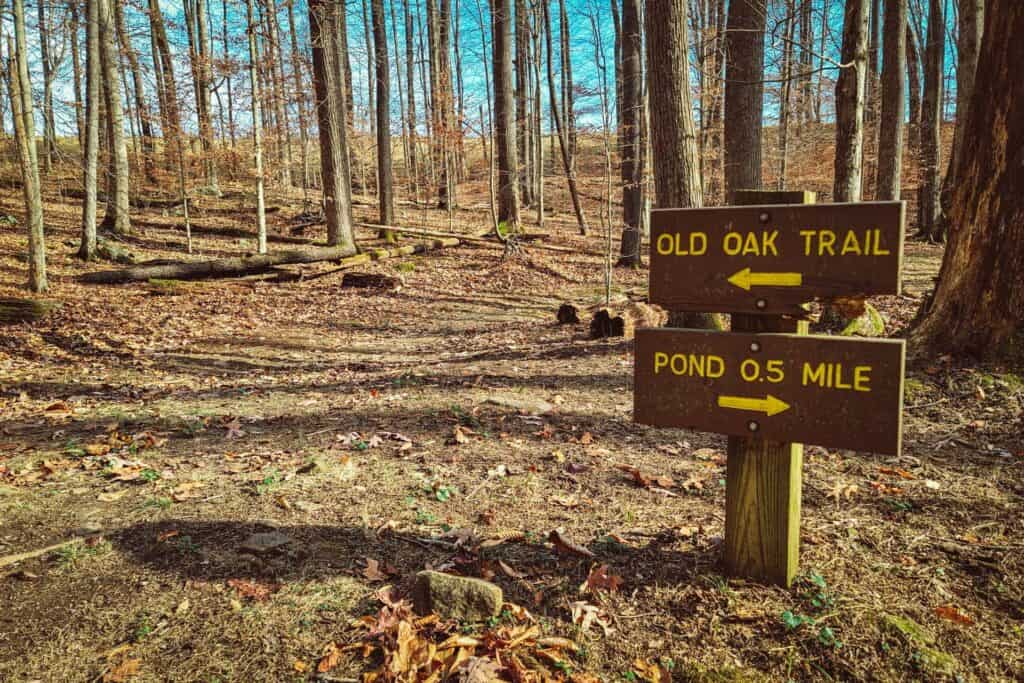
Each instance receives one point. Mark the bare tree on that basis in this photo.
(929, 225)
(850, 88)
(744, 93)
(87, 249)
(890, 133)
(117, 217)
(25, 135)
(328, 76)
(257, 128)
(385, 187)
(504, 124)
(141, 106)
(629, 135)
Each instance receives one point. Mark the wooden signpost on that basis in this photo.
(765, 383)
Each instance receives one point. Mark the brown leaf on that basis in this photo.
(586, 438)
(124, 671)
(600, 578)
(565, 545)
(187, 491)
(254, 590)
(954, 614)
(896, 472)
(166, 535)
(375, 572)
(234, 428)
(508, 571)
(459, 435)
(329, 659)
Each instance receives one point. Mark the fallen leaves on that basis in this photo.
(566, 546)
(586, 615)
(954, 614)
(374, 571)
(659, 483)
(254, 590)
(601, 578)
(187, 491)
(124, 671)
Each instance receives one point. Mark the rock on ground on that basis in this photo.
(456, 597)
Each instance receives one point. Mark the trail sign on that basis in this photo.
(772, 259)
(831, 391)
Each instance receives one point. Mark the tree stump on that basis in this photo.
(622, 320)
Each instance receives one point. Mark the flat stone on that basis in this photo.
(456, 597)
(532, 406)
(264, 542)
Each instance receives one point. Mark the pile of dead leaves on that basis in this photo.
(400, 646)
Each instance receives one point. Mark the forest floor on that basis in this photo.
(454, 424)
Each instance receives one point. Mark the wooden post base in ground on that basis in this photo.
(764, 478)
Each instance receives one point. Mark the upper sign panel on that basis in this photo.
(772, 259)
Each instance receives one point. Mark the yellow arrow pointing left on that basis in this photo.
(745, 279)
(768, 405)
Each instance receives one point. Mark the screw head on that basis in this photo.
(753, 426)
(765, 217)
(755, 346)
(761, 303)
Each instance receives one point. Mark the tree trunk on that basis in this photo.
(563, 138)
(632, 79)
(522, 95)
(300, 94)
(850, 104)
(971, 24)
(504, 123)
(410, 70)
(167, 86)
(328, 77)
(978, 306)
(385, 190)
(744, 94)
(890, 129)
(257, 129)
(87, 249)
(929, 211)
(76, 75)
(145, 125)
(568, 92)
(205, 86)
(25, 136)
(789, 30)
(117, 217)
(49, 129)
(913, 90)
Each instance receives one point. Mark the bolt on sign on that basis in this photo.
(773, 259)
(831, 391)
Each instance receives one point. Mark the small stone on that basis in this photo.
(531, 406)
(456, 597)
(265, 542)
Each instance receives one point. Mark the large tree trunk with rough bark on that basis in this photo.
(978, 305)
(629, 135)
(328, 80)
(744, 94)
(971, 25)
(890, 129)
(850, 90)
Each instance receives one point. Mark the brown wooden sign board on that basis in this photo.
(772, 259)
(838, 392)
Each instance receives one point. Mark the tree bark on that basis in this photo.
(561, 133)
(167, 86)
(76, 74)
(978, 305)
(744, 94)
(410, 70)
(205, 87)
(117, 217)
(522, 95)
(328, 78)
(504, 124)
(145, 119)
(629, 135)
(890, 133)
(257, 129)
(49, 129)
(850, 89)
(87, 248)
(785, 98)
(25, 136)
(929, 225)
(385, 189)
(971, 24)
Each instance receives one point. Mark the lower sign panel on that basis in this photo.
(839, 392)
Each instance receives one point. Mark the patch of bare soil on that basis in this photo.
(247, 463)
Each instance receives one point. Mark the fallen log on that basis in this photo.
(258, 263)
(473, 240)
(199, 229)
(13, 310)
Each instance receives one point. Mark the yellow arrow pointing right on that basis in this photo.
(745, 279)
(768, 405)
